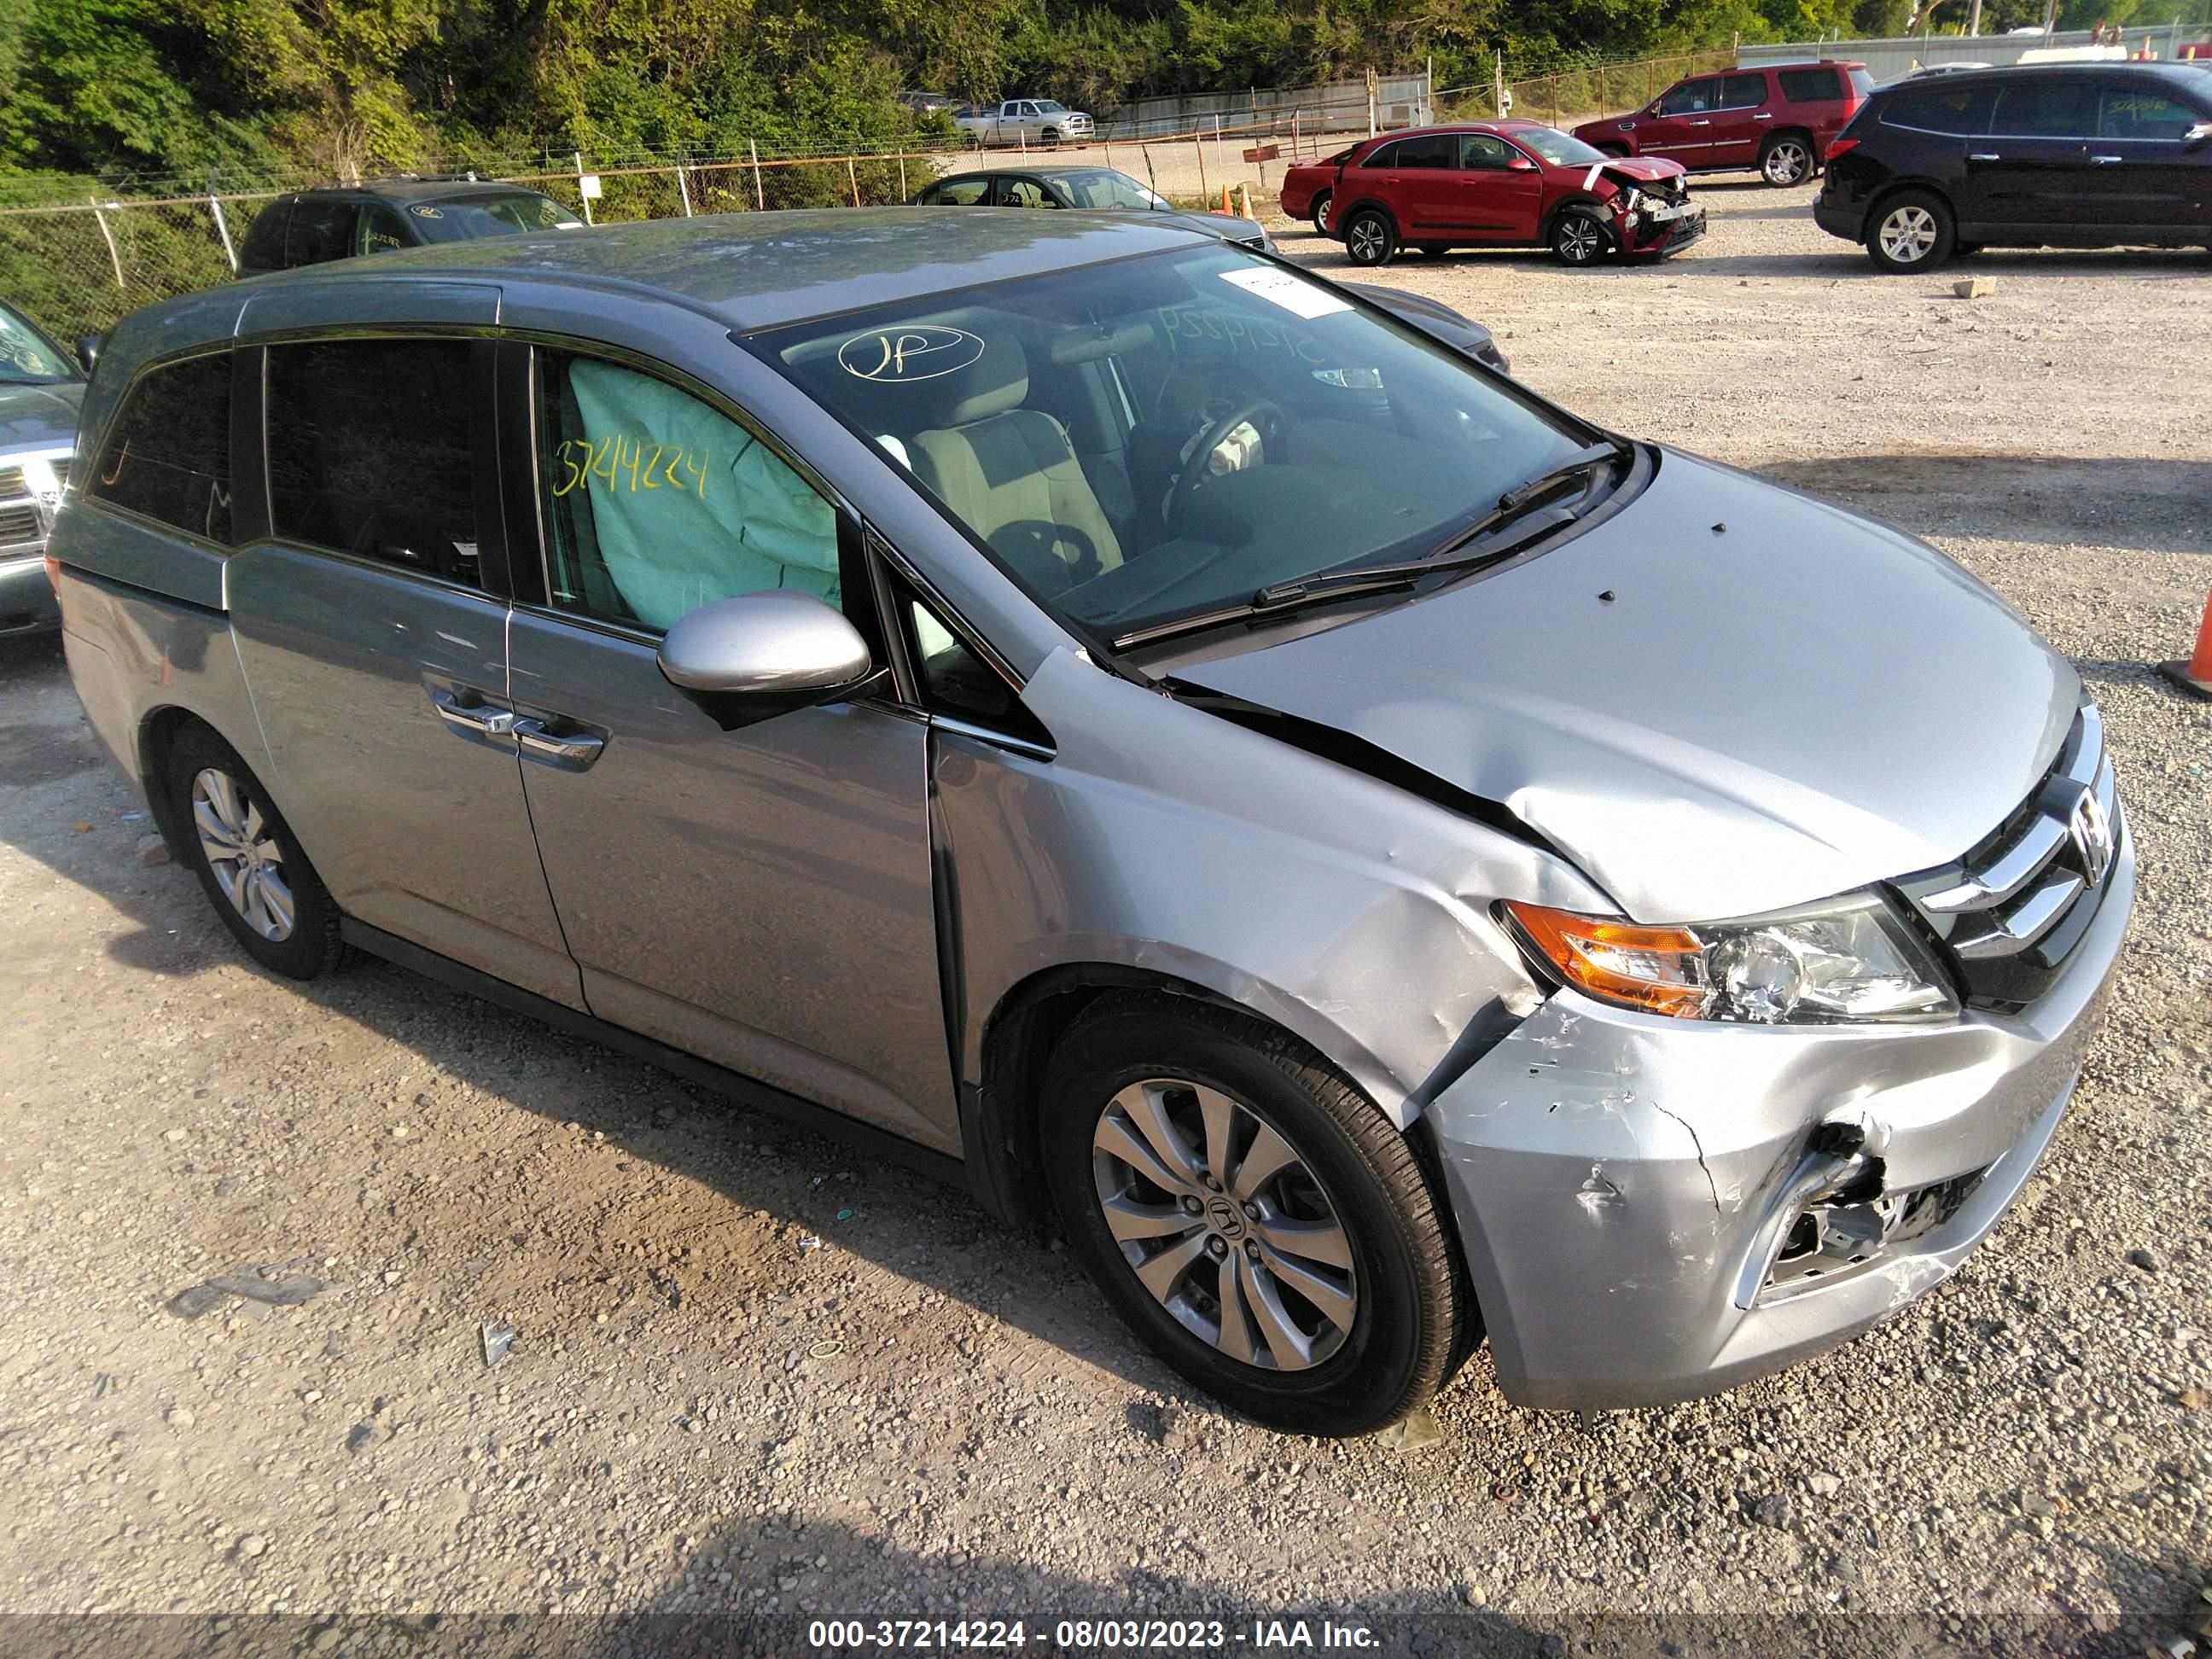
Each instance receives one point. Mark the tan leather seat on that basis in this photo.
(1011, 475)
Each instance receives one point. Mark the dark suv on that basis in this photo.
(2066, 155)
(338, 222)
(1776, 118)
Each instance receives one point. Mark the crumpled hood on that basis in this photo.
(40, 417)
(1643, 169)
(1711, 723)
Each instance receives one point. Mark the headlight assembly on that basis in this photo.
(1848, 959)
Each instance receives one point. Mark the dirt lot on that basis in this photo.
(925, 1414)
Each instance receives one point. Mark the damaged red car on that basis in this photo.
(1507, 184)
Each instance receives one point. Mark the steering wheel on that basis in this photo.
(1265, 417)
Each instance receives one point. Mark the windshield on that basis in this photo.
(1157, 438)
(1558, 148)
(1049, 105)
(467, 218)
(27, 356)
(1107, 189)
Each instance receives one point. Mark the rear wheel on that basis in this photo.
(1320, 210)
(1260, 1224)
(1580, 238)
(253, 870)
(1370, 238)
(1913, 230)
(1785, 160)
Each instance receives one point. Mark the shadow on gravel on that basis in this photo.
(2155, 506)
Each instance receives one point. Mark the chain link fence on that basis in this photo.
(78, 267)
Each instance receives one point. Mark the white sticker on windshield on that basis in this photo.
(1293, 294)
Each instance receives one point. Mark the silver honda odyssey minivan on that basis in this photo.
(1104, 716)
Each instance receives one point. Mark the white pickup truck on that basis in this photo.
(1024, 121)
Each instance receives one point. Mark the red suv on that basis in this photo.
(1504, 184)
(1777, 119)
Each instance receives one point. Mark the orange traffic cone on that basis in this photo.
(1226, 210)
(2194, 675)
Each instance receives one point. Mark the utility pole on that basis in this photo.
(1974, 19)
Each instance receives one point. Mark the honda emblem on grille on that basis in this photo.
(2090, 827)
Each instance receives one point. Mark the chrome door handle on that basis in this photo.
(2107, 161)
(471, 719)
(1762, 116)
(576, 751)
(1986, 158)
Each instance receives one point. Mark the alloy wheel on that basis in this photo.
(1788, 162)
(1579, 240)
(1221, 1220)
(1365, 238)
(248, 864)
(1908, 234)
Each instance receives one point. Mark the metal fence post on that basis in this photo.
(902, 162)
(577, 156)
(760, 192)
(852, 177)
(682, 189)
(113, 258)
(214, 206)
(1198, 143)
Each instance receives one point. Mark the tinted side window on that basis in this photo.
(1809, 86)
(380, 231)
(1691, 98)
(1743, 92)
(322, 230)
(168, 453)
(1024, 193)
(1382, 155)
(1481, 150)
(959, 192)
(1437, 149)
(2132, 112)
(2048, 109)
(658, 504)
(371, 452)
(1957, 109)
(265, 243)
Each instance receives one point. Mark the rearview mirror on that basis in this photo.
(87, 352)
(757, 655)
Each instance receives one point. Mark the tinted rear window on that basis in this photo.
(371, 452)
(1957, 109)
(321, 230)
(1809, 86)
(1861, 82)
(168, 453)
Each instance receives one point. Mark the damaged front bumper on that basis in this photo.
(1654, 238)
(1653, 1209)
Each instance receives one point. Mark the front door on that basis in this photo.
(2144, 175)
(761, 896)
(371, 620)
(1501, 190)
(2033, 172)
(1680, 125)
(1428, 189)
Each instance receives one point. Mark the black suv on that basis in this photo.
(337, 221)
(2064, 155)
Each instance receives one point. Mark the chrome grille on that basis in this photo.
(2012, 909)
(19, 525)
(11, 482)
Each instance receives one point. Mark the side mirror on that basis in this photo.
(1519, 164)
(87, 352)
(757, 655)
(2201, 133)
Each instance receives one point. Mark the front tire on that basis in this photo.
(1786, 160)
(1320, 211)
(1262, 1227)
(1370, 238)
(1580, 238)
(247, 861)
(1913, 230)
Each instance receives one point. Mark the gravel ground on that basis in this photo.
(704, 1410)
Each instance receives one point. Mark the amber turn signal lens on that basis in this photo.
(1659, 969)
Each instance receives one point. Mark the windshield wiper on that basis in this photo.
(1494, 536)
